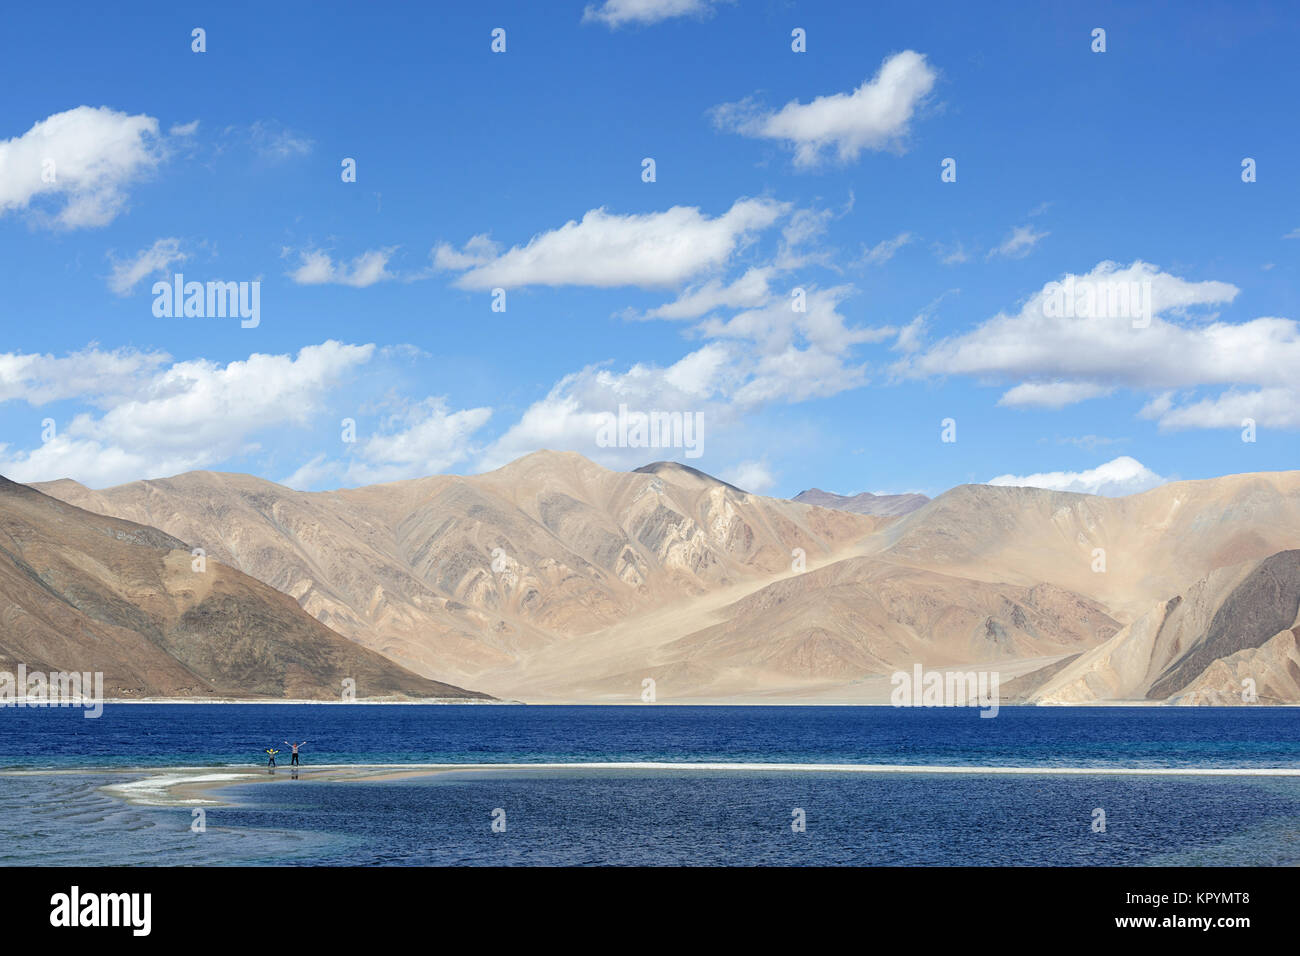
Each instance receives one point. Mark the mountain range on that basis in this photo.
(554, 579)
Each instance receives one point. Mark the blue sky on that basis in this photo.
(774, 170)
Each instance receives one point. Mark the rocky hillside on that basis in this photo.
(84, 592)
(1239, 622)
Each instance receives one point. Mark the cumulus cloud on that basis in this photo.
(605, 250)
(1121, 476)
(875, 116)
(785, 355)
(189, 415)
(319, 268)
(155, 260)
(424, 439)
(619, 13)
(758, 356)
(95, 376)
(1060, 352)
(82, 161)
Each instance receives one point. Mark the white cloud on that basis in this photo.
(604, 250)
(311, 473)
(885, 250)
(783, 355)
(1019, 244)
(1051, 394)
(1121, 476)
(759, 356)
(154, 260)
(190, 415)
(910, 336)
(752, 476)
(92, 375)
(1074, 356)
(618, 13)
(1276, 407)
(318, 268)
(571, 414)
(479, 250)
(1063, 357)
(424, 439)
(83, 158)
(875, 116)
(749, 291)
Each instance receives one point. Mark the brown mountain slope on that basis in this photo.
(1155, 544)
(457, 576)
(822, 632)
(1238, 622)
(85, 592)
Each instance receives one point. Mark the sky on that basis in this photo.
(888, 248)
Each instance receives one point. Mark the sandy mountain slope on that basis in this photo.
(457, 576)
(84, 592)
(1238, 622)
(820, 632)
(1155, 544)
(864, 504)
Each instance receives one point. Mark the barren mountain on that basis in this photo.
(1239, 622)
(85, 592)
(555, 579)
(821, 632)
(863, 504)
(1126, 552)
(455, 576)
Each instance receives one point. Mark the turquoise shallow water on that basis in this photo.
(583, 816)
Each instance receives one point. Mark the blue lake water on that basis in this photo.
(584, 816)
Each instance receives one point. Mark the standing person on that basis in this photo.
(293, 760)
(270, 753)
